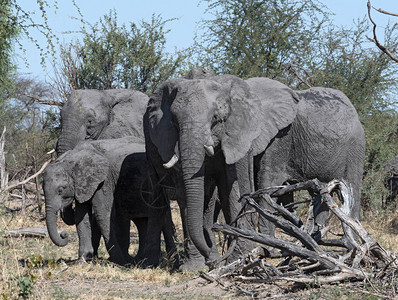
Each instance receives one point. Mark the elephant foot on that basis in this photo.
(146, 262)
(119, 261)
(193, 263)
(130, 259)
(87, 257)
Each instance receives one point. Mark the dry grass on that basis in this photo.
(41, 270)
(44, 271)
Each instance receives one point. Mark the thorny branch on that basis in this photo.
(374, 39)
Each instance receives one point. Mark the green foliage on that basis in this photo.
(346, 61)
(28, 26)
(31, 130)
(8, 33)
(113, 56)
(381, 130)
(25, 285)
(258, 38)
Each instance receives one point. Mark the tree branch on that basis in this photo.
(42, 101)
(376, 41)
(385, 12)
(29, 178)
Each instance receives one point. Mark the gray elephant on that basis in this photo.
(104, 178)
(391, 179)
(247, 135)
(93, 115)
(107, 114)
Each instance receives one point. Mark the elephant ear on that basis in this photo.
(259, 108)
(90, 170)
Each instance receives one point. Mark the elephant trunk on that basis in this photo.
(72, 133)
(193, 175)
(59, 239)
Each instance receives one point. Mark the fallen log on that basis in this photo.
(33, 233)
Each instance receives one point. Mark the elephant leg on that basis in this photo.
(270, 169)
(105, 216)
(168, 230)
(95, 235)
(229, 196)
(321, 214)
(142, 227)
(122, 229)
(83, 215)
(211, 198)
(152, 241)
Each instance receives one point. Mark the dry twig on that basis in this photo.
(307, 262)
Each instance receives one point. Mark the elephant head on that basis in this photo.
(94, 114)
(189, 119)
(74, 176)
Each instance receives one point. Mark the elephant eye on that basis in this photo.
(60, 190)
(90, 122)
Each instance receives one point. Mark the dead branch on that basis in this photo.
(29, 178)
(3, 172)
(43, 101)
(307, 262)
(385, 12)
(292, 67)
(375, 40)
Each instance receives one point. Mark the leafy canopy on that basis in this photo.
(113, 56)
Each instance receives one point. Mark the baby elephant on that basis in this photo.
(104, 179)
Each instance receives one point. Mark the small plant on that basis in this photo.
(25, 285)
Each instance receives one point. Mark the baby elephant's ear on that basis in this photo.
(90, 170)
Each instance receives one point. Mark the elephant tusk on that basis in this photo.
(209, 150)
(171, 162)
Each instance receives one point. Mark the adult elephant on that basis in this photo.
(104, 179)
(251, 134)
(93, 115)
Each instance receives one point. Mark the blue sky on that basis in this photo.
(188, 12)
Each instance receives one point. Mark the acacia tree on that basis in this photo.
(259, 38)
(113, 56)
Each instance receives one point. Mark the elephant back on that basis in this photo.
(328, 110)
(326, 132)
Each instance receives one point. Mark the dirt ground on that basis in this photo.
(34, 268)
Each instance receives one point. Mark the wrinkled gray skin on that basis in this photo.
(262, 133)
(93, 115)
(104, 178)
(391, 179)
